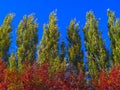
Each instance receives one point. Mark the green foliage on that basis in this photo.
(114, 34)
(97, 53)
(12, 62)
(5, 41)
(57, 66)
(62, 51)
(48, 49)
(75, 54)
(27, 39)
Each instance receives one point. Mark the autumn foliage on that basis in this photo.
(60, 66)
(108, 80)
(35, 77)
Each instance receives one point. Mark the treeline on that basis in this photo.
(56, 53)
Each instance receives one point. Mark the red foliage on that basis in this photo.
(3, 67)
(35, 77)
(69, 81)
(108, 80)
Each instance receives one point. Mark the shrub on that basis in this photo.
(69, 81)
(108, 80)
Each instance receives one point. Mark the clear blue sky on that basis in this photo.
(66, 10)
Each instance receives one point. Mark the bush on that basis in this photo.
(108, 80)
(35, 77)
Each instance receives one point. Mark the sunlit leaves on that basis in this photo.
(114, 34)
(5, 41)
(75, 54)
(27, 39)
(96, 51)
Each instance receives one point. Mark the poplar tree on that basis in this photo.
(62, 51)
(114, 34)
(27, 39)
(48, 49)
(96, 51)
(75, 54)
(5, 41)
(12, 62)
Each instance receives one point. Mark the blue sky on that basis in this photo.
(66, 10)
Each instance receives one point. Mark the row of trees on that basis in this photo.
(55, 53)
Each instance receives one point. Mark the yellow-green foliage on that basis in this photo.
(5, 41)
(75, 54)
(57, 66)
(114, 34)
(97, 53)
(48, 49)
(27, 39)
(12, 62)
(62, 51)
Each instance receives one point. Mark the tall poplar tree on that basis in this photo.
(5, 41)
(114, 34)
(75, 55)
(97, 53)
(48, 49)
(27, 39)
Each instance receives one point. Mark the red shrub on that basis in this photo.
(108, 80)
(3, 66)
(35, 77)
(68, 81)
